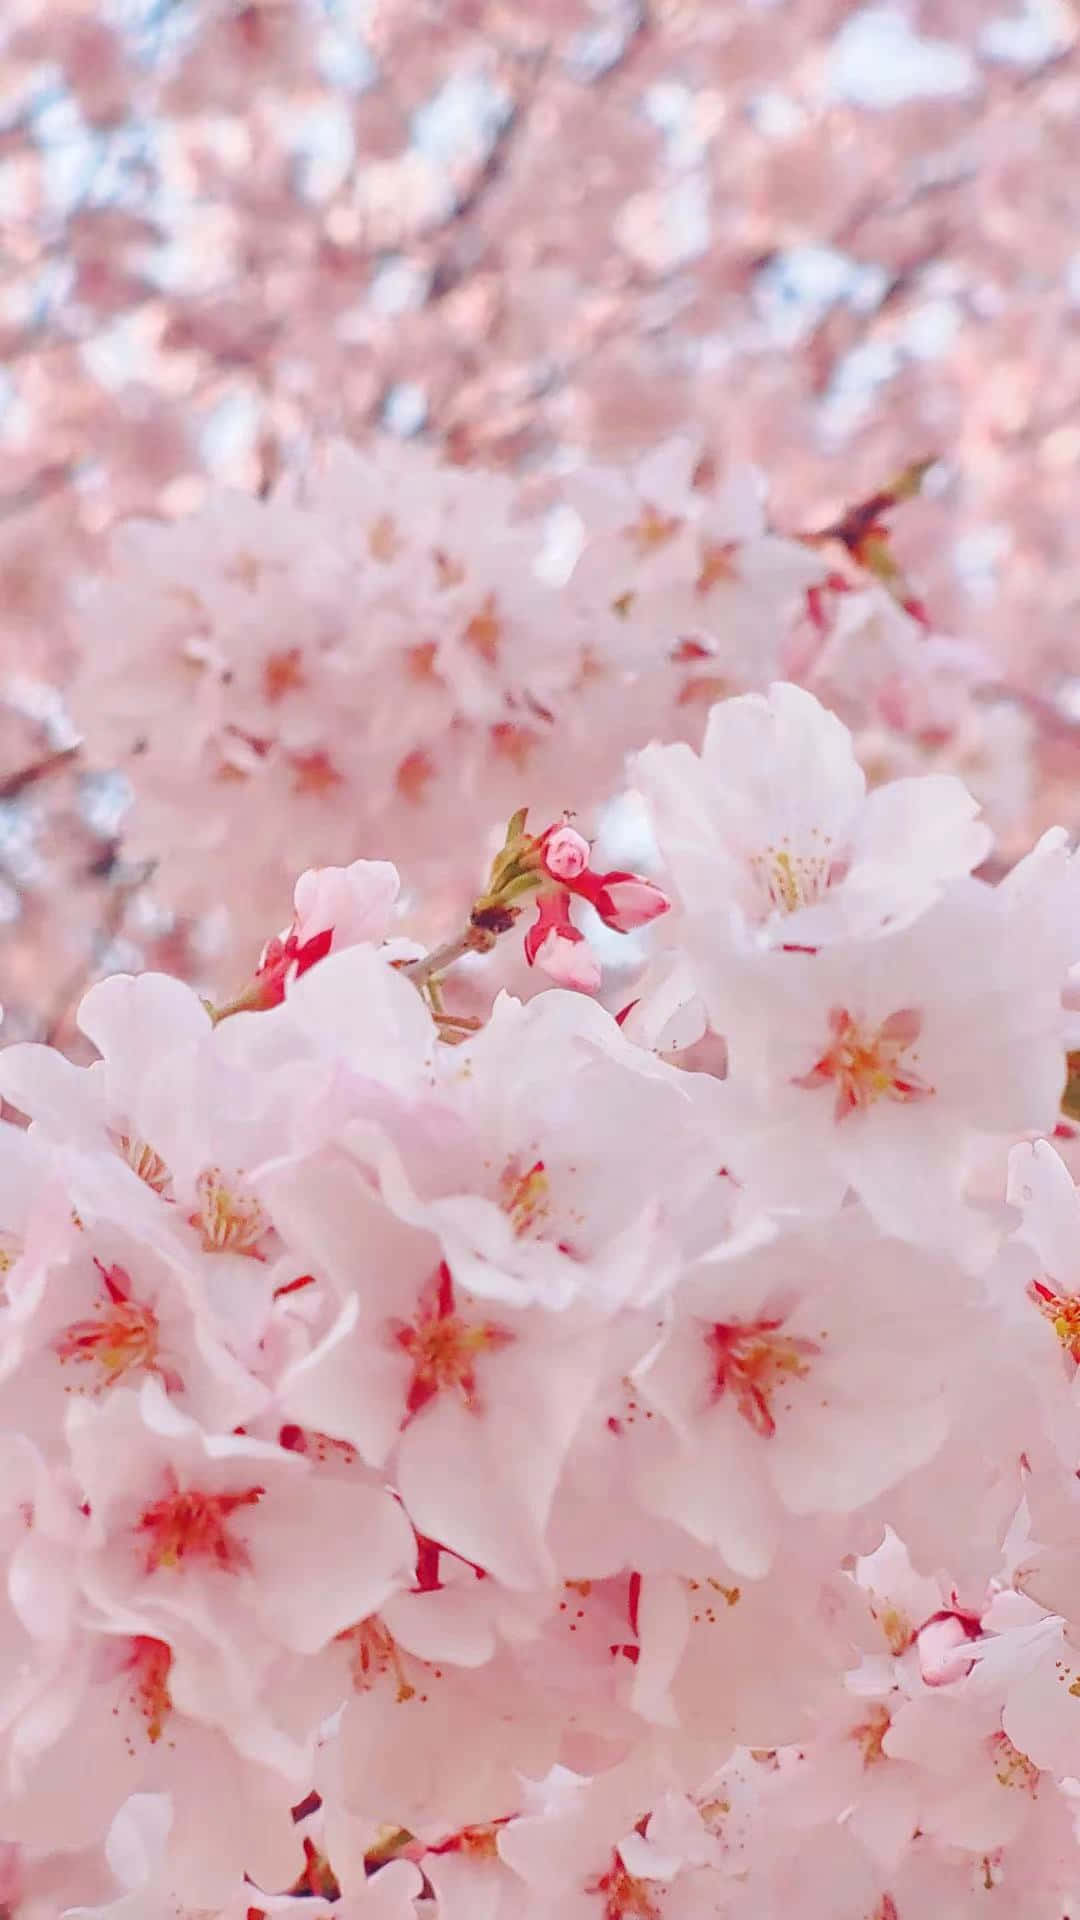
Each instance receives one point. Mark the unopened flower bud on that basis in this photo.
(941, 1645)
(566, 853)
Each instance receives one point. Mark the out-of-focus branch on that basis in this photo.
(14, 784)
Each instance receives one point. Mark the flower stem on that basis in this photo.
(472, 940)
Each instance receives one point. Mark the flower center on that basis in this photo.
(868, 1064)
(484, 632)
(524, 1197)
(896, 1627)
(10, 1250)
(121, 1338)
(1063, 1312)
(1011, 1767)
(652, 529)
(374, 1653)
(314, 772)
(188, 1526)
(790, 880)
(283, 673)
(625, 1896)
(442, 1346)
(229, 1220)
(318, 1877)
(476, 1843)
(149, 1666)
(870, 1735)
(754, 1361)
(719, 564)
(143, 1160)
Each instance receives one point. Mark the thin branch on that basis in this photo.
(16, 783)
(50, 480)
(472, 940)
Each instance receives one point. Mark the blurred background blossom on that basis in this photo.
(829, 238)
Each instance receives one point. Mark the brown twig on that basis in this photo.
(50, 480)
(473, 940)
(16, 783)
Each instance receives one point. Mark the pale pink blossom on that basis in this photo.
(466, 1456)
(333, 907)
(819, 1389)
(880, 1066)
(772, 829)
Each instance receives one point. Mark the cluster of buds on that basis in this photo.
(551, 869)
(336, 907)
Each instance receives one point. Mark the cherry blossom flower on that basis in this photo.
(770, 1364)
(872, 1062)
(773, 826)
(332, 907)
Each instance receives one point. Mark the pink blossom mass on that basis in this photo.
(539, 960)
(463, 1455)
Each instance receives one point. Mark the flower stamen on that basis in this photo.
(122, 1337)
(373, 1653)
(625, 1896)
(1063, 1312)
(149, 1664)
(868, 1064)
(443, 1347)
(144, 1161)
(186, 1526)
(754, 1360)
(229, 1220)
(870, 1735)
(524, 1197)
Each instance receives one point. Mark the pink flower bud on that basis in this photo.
(560, 949)
(632, 902)
(552, 914)
(355, 903)
(332, 907)
(283, 959)
(939, 1645)
(566, 853)
(623, 900)
(569, 962)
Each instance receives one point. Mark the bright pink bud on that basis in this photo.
(283, 959)
(357, 902)
(552, 913)
(623, 900)
(570, 961)
(332, 907)
(940, 1645)
(559, 948)
(552, 916)
(566, 853)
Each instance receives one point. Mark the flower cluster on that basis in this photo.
(384, 653)
(465, 1468)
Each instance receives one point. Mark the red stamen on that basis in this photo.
(150, 1663)
(753, 1360)
(443, 1347)
(867, 1064)
(191, 1526)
